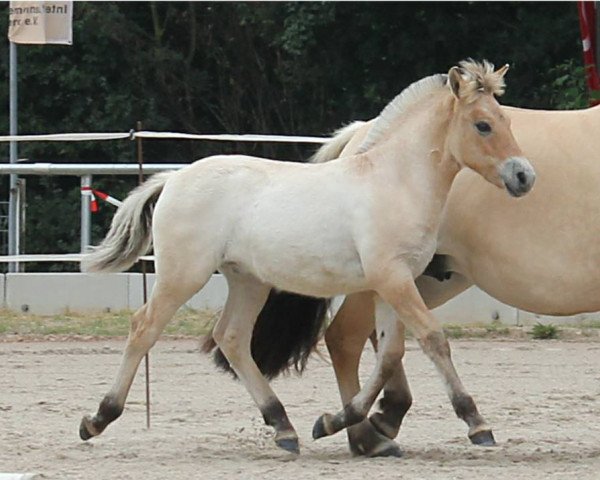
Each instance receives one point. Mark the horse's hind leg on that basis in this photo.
(390, 334)
(396, 400)
(146, 326)
(345, 339)
(233, 335)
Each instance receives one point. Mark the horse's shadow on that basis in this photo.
(508, 453)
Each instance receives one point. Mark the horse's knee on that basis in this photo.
(137, 319)
(435, 344)
(142, 332)
(232, 343)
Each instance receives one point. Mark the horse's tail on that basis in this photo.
(334, 146)
(285, 334)
(130, 233)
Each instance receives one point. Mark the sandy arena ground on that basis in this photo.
(543, 398)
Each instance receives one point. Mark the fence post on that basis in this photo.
(86, 216)
(140, 159)
(13, 212)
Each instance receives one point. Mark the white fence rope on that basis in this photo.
(132, 135)
(249, 137)
(64, 137)
(58, 257)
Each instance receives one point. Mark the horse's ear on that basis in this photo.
(456, 81)
(502, 70)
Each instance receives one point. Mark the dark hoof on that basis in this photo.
(318, 430)
(84, 432)
(324, 426)
(484, 438)
(289, 444)
(366, 441)
(392, 450)
(385, 448)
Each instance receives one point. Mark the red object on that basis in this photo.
(100, 195)
(94, 207)
(587, 22)
(93, 204)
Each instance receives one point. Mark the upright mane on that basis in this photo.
(480, 77)
(408, 97)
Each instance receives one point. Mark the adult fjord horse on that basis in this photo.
(260, 223)
(540, 253)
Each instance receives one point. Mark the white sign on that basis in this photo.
(41, 22)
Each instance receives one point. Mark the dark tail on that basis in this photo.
(285, 334)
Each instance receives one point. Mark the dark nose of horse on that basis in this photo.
(518, 176)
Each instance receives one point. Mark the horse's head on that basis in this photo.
(479, 135)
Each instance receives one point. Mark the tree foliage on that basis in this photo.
(257, 67)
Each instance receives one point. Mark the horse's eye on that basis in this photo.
(483, 128)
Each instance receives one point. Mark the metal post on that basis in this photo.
(13, 203)
(140, 158)
(86, 220)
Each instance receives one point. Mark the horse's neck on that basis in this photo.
(421, 159)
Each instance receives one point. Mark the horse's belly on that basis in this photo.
(551, 278)
(308, 267)
(318, 279)
(547, 291)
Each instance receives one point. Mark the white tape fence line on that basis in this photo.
(132, 135)
(53, 257)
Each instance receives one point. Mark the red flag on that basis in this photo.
(587, 21)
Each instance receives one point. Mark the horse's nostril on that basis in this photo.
(522, 178)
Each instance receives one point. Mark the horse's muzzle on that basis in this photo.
(518, 175)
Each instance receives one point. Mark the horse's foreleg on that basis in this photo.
(233, 335)
(390, 334)
(146, 326)
(397, 398)
(345, 338)
(428, 331)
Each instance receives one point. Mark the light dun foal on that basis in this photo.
(260, 222)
